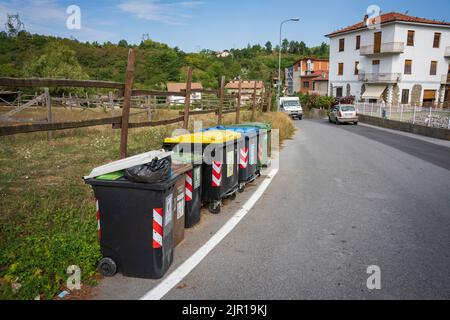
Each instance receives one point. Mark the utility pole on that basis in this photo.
(279, 61)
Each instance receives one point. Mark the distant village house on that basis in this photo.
(179, 87)
(308, 76)
(247, 89)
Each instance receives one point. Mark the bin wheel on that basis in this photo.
(241, 188)
(214, 207)
(233, 196)
(107, 267)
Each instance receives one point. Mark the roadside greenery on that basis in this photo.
(312, 101)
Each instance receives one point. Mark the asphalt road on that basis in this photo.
(345, 198)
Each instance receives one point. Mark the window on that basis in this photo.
(405, 96)
(306, 84)
(408, 66)
(433, 68)
(410, 41)
(356, 68)
(341, 69)
(376, 66)
(358, 42)
(341, 45)
(437, 40)
(339, 92)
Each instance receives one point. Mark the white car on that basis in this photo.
(343, 113)
(292, 107)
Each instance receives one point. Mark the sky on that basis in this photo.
(194, 25)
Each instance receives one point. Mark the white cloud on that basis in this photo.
(155, 10)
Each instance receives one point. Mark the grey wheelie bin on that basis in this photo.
(193, 190)
(264, 141)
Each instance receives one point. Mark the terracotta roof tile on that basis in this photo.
(246, 84)
(177, 87)
(390, 17)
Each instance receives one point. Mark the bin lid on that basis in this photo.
(187, 157)
(259, 125)
(123, 183)
(209, 137)
(179, 167)
(242, 130)
(112, 176)
(128, 163)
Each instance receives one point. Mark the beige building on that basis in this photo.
(179, 87)
(247, 89)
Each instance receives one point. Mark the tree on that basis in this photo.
(123, 44)
(303, 50)
(57, 61)
(293, 47)
(269, 47)
(285, 45)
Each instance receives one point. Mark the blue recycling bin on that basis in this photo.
(248, 153)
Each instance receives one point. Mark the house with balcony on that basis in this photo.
(307, 76)
(393, 58)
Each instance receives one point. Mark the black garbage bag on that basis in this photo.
(153, 172)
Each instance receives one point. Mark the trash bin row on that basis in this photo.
(145, 202)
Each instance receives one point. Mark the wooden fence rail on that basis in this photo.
(149, 123)
(35, 127)
(41, 82)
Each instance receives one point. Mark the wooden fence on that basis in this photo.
(126, 93)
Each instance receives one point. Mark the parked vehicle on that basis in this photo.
(292, 107)
(343, 113)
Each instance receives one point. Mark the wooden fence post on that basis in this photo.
(127, 102)
(111, 101)
(221, 98)
(148, 102)
(262, 100)
(238, 107)
(254, 101)
(187, 98)
(48, 102)
(269, 103)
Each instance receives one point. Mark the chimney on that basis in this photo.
(366, 17)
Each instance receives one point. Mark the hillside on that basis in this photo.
(45, 56)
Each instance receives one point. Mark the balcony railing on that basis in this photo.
(385, 48)
(380, 77)
(447, 52)
(445, 79)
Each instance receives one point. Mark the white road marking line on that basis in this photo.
(184, 269)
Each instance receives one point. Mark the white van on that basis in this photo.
(292, 107)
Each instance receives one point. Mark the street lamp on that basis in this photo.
(279, 61)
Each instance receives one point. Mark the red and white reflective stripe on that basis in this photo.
(216, 174)
(157, 228)
(99, 230)
(243, 159)
(260, 152)
(188, 185)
